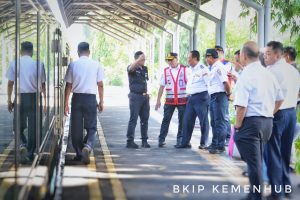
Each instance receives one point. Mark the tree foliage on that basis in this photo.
(285, 15)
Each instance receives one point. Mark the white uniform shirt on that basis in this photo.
(217, 77)
(289, 80)
(197, 81)
(84, 74)
(28, 74)
(174, 72)
(257, 90)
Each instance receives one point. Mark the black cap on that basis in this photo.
(219, 48)
(27, 46)
(211, 52)
(83, 46)
(171, 56)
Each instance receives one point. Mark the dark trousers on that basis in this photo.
(83, 116)
(228, 124)
(139, 106)
(250, 140)
(279, 149)
(28, 120)
(218, 106)
(197, 106)
(168, 113)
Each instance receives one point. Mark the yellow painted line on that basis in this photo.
(94, 184)
(117, 187)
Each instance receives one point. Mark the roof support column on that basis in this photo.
(162, 53)
(196, 20)
(218, 33)
(176, 47)
(267, 30)
(152, 53)
(260, 22)
(3, 59)
(223, 24)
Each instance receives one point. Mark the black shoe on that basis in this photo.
(132, 145)
(180, 146)
(245, 174)
(86, 155)
(202, 146)
(214, 151)
(23, 155)
(221, 149)
(217, 150)
(145, 144)
(77, 158)
(210, 147)
(161, 144)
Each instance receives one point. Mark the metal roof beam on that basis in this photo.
(196, 10)
(161, 14)
(105, 29)
(119, 24)
(111, 27)
(129, 12)
(121, 18)
(107, 32)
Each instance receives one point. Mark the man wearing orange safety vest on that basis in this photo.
(174, 81)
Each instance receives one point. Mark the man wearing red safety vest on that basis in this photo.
(174, 81)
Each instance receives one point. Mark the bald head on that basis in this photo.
(251, 50)
(249, 53)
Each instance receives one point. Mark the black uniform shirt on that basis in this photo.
(138, 80)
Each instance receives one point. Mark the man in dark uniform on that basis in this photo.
(138, 100)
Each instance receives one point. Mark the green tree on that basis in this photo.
(285, 16)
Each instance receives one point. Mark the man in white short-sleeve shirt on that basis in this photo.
(279, 146)
(258, 97)
(219, 90)
(84, 78)
(28, 89)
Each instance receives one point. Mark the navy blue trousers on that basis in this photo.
(168, 113)
(28, 120)
(83, 116)
(197, 106)
(250, 141)
(279, 149)
(218, 107)
(139, 106)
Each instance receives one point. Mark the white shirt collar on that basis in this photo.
(178, 66)
(279, 62)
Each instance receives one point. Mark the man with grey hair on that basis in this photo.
(258, 97)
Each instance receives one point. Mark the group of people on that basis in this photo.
(266, 87)
(265, 97)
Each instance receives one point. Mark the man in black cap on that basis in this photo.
(219, 90)
(28, 90)
(138, 100)
(174, 80)
(85, 79)
(228, 69)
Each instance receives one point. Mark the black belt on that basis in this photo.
(218, 93)
(190, 95)
(140, 93)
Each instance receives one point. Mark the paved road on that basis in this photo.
(155, 173)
